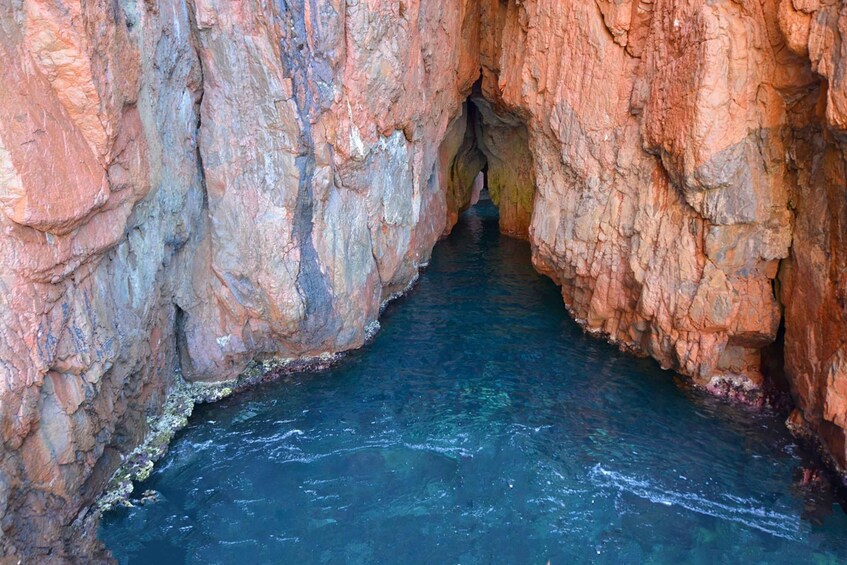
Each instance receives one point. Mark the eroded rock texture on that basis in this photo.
(187, 185)
(197, 184)
(814, 289)
(100, 191)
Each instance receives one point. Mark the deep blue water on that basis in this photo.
(480, 426)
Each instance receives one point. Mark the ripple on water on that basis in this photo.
(746, 511)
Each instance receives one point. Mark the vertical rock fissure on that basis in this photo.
(301, 64)
(494, 144)
(503, 139)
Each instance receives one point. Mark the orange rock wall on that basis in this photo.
(99, 190)
(192, 185)
(814, 277)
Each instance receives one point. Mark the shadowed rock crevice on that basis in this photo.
(510, 176)
(304, 67)
(490, 147)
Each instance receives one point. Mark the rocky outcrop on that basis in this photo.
(319, 140)
(189, 185)
(814, 277)
(194, 185)
(100, 192)
(658, 134)
(690, 181)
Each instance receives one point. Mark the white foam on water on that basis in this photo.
(535, 429)
(333, 453)
(248, 541)
(746, 511)
(443, 450)
(299, 457)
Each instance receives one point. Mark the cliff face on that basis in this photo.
(194, 185)
(99, 191)
(814, 277)
(191, 184)
(690, 181)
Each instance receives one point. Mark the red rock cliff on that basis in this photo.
(186, 185)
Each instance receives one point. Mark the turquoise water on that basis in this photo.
(480, 426)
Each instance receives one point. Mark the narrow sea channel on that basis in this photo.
(480, 426)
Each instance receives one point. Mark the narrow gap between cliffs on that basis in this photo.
(487, 148)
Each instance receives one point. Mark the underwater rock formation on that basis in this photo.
(189, 185)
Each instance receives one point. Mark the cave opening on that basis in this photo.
(487, 148)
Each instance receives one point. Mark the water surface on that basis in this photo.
(481, 426)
